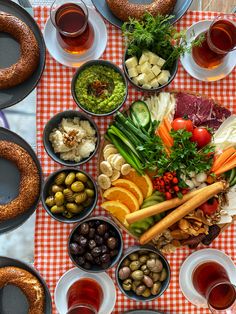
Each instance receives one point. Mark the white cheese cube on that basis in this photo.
(131, 62)
(142, 79)
(163, 78)
(143, 59)
(138, 68)
(147, 86)
(150, 75)
(145, 67)
(156, 70)
(133, 72)
(154, 83)
(135, 80)
(161, 62)
(153, 58)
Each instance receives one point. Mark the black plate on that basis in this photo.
(180, 8)
(18, 303)
(10, 178)
(10, 52)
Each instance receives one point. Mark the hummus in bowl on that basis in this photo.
(99, 88)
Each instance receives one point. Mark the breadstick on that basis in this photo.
(160, 208)
(182, 211)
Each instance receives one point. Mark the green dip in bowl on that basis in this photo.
(99, 88)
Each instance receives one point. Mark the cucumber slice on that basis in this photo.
(141, 113)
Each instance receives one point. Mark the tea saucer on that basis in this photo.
(194, 69)
(73, 275)
(75, 61)
(193, 261)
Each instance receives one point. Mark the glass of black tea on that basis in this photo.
(75, 34)
(219, 40)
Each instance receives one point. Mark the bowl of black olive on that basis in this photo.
(143, 273)
(95, 244)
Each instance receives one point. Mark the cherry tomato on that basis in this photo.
(210, 207)
(201, 136)
(181, 123)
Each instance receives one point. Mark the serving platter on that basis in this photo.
(20, 304)
(180, 9)
(10, 178)
(222, 226)
(10, 52)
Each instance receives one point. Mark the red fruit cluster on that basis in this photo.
(168, 184)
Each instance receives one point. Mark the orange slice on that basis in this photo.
(122, 195)
(143, 182)
(130, 186)
(118, 210)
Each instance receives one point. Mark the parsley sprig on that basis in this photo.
(157, 35)
(185, 156)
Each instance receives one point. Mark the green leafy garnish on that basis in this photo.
(157, 35)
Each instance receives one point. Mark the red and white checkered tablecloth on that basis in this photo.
(53, 96)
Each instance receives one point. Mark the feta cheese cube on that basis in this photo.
(150, 75)
(161, 62)
(138, 68)
(156, 70)
(133, 72)
(163, 77)
(143, 59)
(131, 62)
(145, 67)
(147, 86)
(135, 80)
(154, 83)
(153, 58)
(142, 79)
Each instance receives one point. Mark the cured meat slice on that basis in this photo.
(202, 111)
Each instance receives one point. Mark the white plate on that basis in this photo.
(195, 70)
(73, 275)
(75, 61)
(189, 265)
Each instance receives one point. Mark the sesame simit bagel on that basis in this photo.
(28, 284)
(20, 71)
(124, 9)
(29, 180)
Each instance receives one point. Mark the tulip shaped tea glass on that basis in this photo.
(218, 41)
(75, 34)
(85, 296)
(211, 280)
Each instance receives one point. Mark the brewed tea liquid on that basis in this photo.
(85, 291)
(71, 18)
(223, 37)
(209, 274)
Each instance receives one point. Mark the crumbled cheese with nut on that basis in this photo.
(73, 139)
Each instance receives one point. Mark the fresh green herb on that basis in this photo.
(185, 157)
(159, 36)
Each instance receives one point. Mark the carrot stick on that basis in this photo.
(232, 157)
(226, 167)
(221, 159)
(165, 133)
(182, 211)
(160, 208)
(164, 137)
(167, 124)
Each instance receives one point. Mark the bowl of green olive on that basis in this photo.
(69, 195)
(143, 273)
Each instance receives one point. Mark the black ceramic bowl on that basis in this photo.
(145, 249)
(117, 234)
(173, 73)
(54, 122)
(84, 213)
(104, 63)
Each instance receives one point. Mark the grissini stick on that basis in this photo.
(182, 211)
(161, 207)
